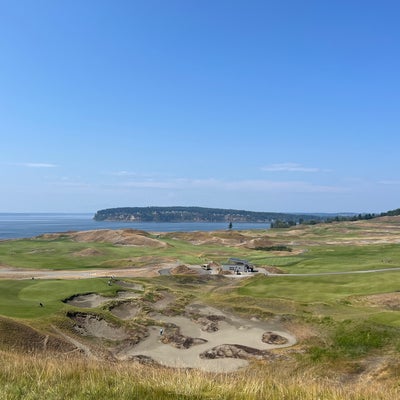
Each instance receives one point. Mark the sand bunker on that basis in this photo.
(93, 300)
(87, 300)
(92, 325)
(164, 302)
(203, 337)
(185, 344)
(125, 310)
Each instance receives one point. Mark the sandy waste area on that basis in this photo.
(202, 337)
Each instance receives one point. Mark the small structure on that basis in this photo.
(238, 266)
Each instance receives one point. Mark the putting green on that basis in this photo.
(21, 299)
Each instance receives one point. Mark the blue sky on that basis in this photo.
(258, 105)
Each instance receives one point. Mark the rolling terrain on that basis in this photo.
(90, 306)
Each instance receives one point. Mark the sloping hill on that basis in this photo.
(126, 237)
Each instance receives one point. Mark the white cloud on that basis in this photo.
(243, 185)
(132, 174)
(389, 182)
(289, 167)
(181, 183)
(283, 186)
(37, 165)
(123, 173)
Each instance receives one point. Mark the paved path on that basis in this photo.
(368, 271)
(23, 273)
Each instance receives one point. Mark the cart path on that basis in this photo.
(368, 271)
(7, 272)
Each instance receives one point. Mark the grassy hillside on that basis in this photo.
(32, 377)
(347, 246)
(347, 326)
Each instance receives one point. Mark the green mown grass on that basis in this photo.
(63, 253)
(339, 258)
(20, 299)
(309, 289)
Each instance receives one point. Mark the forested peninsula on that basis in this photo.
(196, 214)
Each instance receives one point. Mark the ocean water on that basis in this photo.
(25, 225)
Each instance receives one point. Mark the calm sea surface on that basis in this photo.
(14, 226)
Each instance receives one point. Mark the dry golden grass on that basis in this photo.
(41, 377)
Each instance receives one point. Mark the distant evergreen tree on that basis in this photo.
(282, 224)
(391, 213)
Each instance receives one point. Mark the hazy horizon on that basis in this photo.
(252, 105)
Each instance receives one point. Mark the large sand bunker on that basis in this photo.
(185, 343)
(202, 337)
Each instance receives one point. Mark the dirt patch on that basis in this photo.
(182, 270)
(390, 301)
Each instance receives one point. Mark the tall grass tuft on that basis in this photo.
(31, 377)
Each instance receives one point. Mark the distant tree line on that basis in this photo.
(366, 216)
(280, 224)
(391, 213)
(336, 218)
(203, 214)
(358, 217)
(195, 214)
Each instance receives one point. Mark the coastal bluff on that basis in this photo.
(194, 214)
